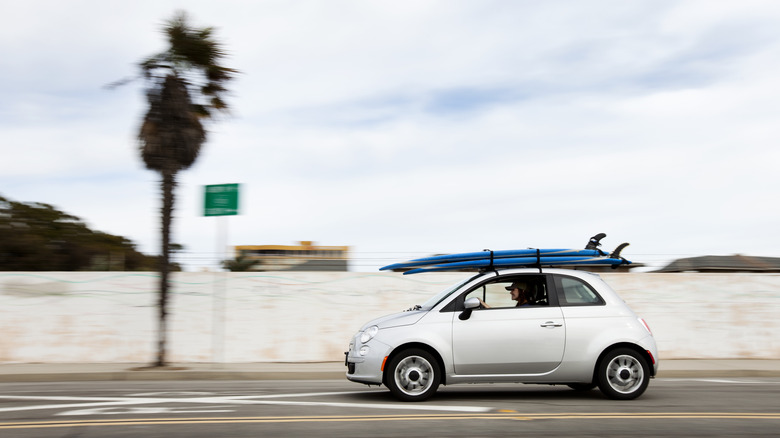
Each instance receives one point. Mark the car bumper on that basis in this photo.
(367, 368)
(650, 347)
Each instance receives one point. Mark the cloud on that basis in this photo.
(417, 127)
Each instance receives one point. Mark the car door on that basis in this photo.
(505, 339)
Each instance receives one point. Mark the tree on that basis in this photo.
(185, 88)
(240, 264)
(38, 237)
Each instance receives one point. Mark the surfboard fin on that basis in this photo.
(595, 241)
(616, 253)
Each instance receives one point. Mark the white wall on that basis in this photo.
(307, 316)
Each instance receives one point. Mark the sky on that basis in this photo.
(407, 128)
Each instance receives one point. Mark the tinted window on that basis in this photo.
(575, 292)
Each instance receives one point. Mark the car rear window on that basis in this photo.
(575, 292)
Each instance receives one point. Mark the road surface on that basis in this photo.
(338, 408)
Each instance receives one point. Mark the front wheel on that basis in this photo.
(413, 375)
(623, 374)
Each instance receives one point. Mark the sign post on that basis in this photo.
(220, 200)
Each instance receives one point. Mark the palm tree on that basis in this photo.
(185, 88)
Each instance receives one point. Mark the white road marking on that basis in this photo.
(66, 398)
(143, 410)
(401, 406)
(158, 394)
(72, 405)
(302, 394)
(107, 403)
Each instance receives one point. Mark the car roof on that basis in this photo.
(559, 271)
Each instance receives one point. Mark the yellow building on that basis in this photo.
(302, 257)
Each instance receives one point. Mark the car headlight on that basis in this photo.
(368, 334)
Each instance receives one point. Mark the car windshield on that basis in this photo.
(436, 299)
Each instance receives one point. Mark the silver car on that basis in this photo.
(568, 328)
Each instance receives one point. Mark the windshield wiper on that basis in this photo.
(416, 307)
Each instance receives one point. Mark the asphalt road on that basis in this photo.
(336, 408)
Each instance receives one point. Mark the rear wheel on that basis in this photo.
(413, 375)
(623, 374)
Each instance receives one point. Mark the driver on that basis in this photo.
(519, 292)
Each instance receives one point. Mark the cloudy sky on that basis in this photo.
(413, 127)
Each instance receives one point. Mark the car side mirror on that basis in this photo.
(470, 304)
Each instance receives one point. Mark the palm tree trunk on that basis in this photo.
(168, 184)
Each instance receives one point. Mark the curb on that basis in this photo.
(169, 375)
(695, 374)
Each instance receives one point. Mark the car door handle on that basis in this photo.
(552, 324)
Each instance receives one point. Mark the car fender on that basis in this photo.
(580, 358)
(436, 338)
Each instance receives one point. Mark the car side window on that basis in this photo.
(497, 295)
(493, 293)
(575, 292)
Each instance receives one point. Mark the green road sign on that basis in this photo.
(221, 200)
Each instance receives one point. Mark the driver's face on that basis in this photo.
(516, 292)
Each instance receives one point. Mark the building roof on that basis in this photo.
(733, 263)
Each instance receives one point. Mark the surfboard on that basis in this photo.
(486, 255)
(519, 262)
(529, 257)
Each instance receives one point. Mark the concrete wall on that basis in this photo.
(307, 316)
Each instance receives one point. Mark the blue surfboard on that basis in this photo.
(486, 255)
(519, 262)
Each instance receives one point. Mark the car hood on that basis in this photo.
(397, 319)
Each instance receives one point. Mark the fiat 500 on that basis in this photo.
(559, 327)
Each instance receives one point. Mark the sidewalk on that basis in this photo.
(20, 372)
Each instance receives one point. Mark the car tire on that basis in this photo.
(413, 375)
(623, 374)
